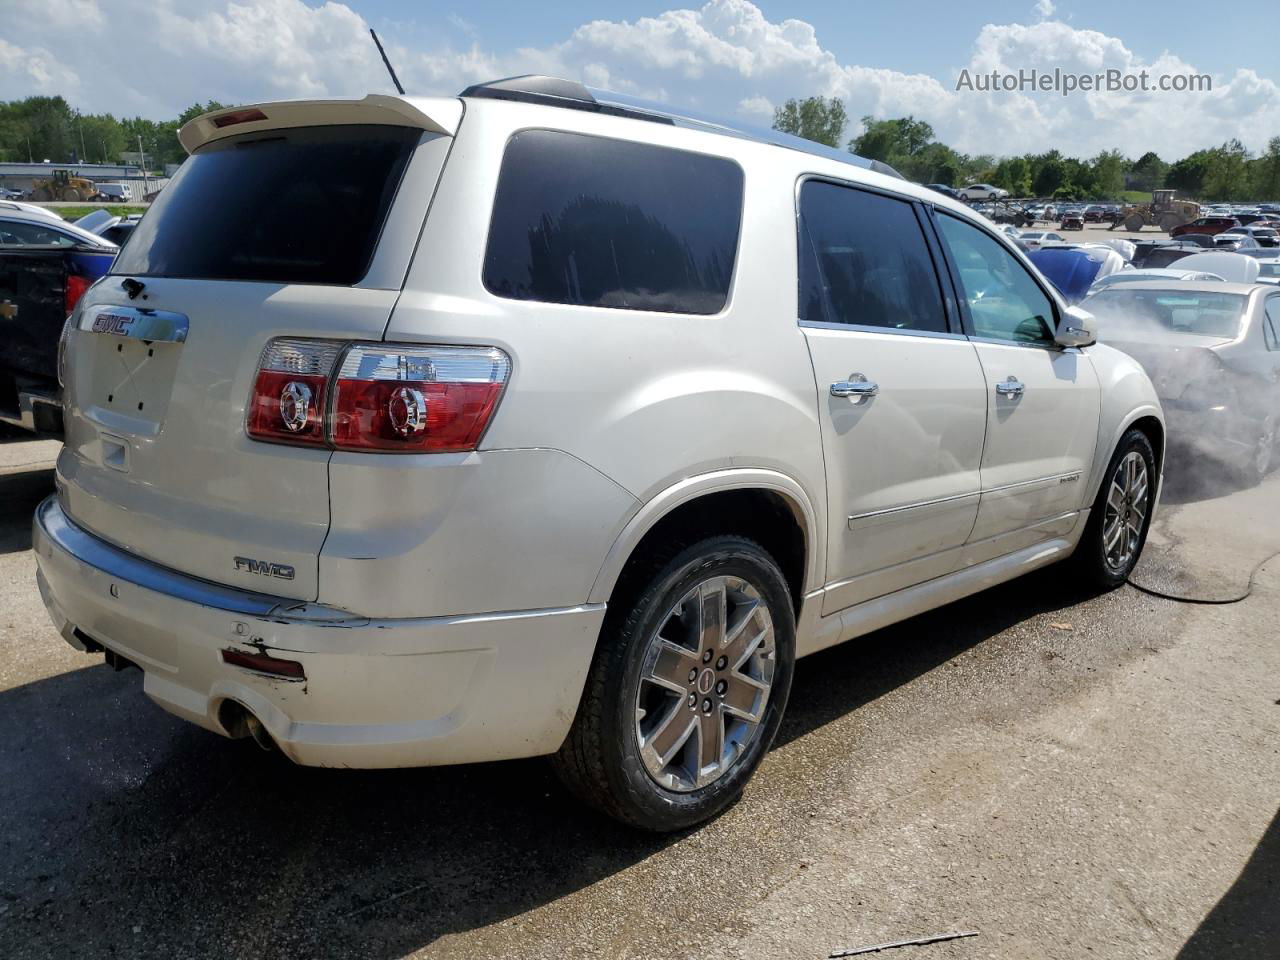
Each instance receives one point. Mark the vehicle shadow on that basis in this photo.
(837, 681)
(1246, 921)
(1191, 479)
(20, 493)
(115, 817)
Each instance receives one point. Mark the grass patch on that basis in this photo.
(1136, 196)
(75, 213)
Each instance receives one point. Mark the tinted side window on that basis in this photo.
(608, 223)
(1005, 303)
(864, 260)
(1271, 323)
(21, 233)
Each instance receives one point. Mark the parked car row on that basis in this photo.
(99, 192)
(1201, 312)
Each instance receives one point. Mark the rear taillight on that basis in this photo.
(76, 286)
(377, 396)
(432, 399)
(291, 390)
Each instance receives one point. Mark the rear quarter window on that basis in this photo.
(591, 221)
(302, 205)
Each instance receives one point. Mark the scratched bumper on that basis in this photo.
(377, 693)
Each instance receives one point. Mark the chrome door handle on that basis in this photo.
(857, 388)
(1011, 387)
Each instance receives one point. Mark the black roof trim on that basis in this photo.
(553, 92)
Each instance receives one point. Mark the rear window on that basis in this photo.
(302, 205)
(596, 222)
(1152, 311)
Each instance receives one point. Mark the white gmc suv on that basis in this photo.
(535, 421)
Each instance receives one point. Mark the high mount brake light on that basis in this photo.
(238, 116)
(376, 397)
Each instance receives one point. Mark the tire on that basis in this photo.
(609, 758)
(1134, 223)
(1169, 221)
(1097, 565)
(41, 196)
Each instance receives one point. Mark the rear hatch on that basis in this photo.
(300, 226)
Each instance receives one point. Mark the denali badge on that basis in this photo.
(265, 568)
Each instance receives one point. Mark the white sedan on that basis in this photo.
(1035, 239)
(982, 191)
(1135, 276)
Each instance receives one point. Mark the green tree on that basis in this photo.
(886, 139)
(1265, 173)
(814, 118)
(1149, 171)
(1013, 174)
(1187, 175)
(1226, 173)
(1050, 177)
(1109, 168)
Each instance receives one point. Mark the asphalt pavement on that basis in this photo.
(1065, 773)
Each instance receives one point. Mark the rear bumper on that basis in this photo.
(37, 410)
(377, 693)
(1221, 434)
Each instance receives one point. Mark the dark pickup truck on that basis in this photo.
(39, 286)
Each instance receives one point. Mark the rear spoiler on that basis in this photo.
(434, 114)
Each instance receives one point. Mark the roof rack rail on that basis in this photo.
(554, 92)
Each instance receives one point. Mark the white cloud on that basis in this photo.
(756, 106)
(725, 57)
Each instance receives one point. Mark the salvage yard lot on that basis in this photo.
(1066, 774)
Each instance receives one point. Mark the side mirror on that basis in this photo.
(1077, 328)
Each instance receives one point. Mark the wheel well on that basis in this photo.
(764, 516)
(1155, 434)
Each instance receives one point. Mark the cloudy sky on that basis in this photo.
(731, 57)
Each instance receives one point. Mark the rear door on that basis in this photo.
(279, 233)
(901, 396)
(1042, 401)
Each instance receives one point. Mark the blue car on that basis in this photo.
(1074, 269)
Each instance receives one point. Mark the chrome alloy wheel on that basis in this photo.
(704, 683)
(1128, 501)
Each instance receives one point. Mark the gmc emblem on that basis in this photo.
(112, 323)
(264, 568)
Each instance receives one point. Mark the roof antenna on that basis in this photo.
(390, 69)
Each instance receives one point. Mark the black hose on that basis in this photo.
(1207, 601)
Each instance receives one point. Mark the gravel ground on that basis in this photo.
(1066, 774)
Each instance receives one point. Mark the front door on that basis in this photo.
(1043, 401)
(901, 395)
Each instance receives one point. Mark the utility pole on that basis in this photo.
(84, 154)
(142, 161)
(30, 158)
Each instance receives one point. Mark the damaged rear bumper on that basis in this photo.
(374, 693)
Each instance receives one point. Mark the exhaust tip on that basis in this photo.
(259, 733)
(239, 722)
